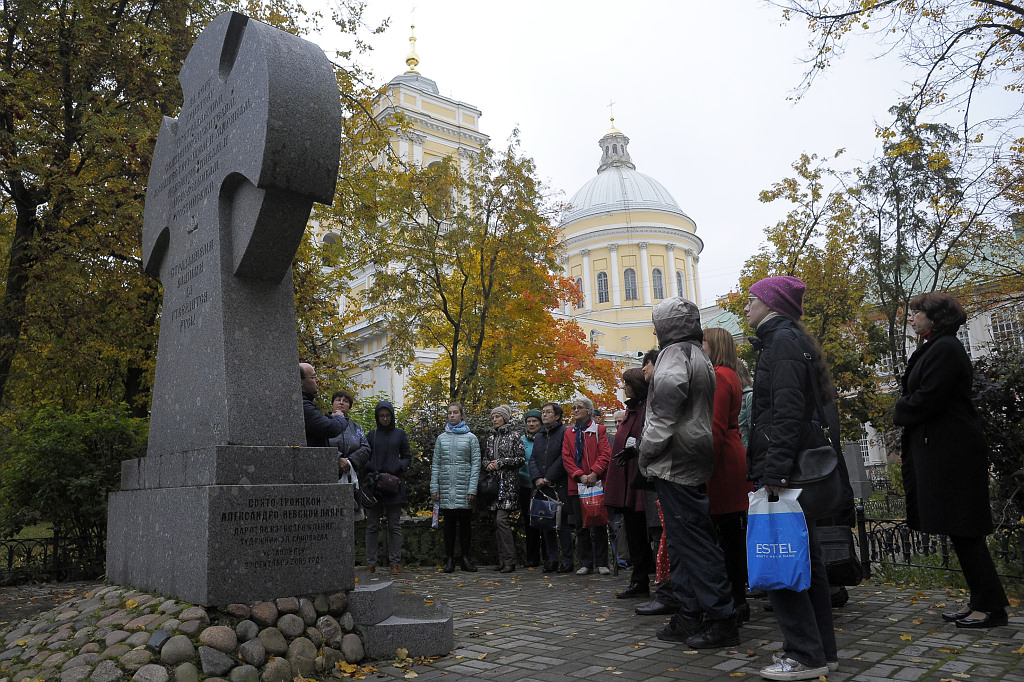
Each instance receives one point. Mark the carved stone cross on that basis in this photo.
(232, 183)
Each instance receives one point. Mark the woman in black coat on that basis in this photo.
(945, 459)
(549, 477)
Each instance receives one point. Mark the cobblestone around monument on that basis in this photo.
(70, 644)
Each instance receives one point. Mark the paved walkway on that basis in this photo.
(531, 625)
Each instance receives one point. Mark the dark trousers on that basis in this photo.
(635, 524)
(533, 543)
(592, 543)
(457, 521)
(987, 592)
(731, 530)
(558, 544)
(805, 618)
(698, 566)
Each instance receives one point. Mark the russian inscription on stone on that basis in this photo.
(232, 183)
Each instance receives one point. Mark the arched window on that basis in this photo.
(659, 283)
(579, 285)
(602, 287)
(679, 283)
(615, 149)
(630, 280)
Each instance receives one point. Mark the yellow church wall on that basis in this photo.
(444, 112)
(654, 218)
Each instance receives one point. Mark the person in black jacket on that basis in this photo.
(789, 360)
(549, 477)
(389, 456)
(318, 427)
(945, 457)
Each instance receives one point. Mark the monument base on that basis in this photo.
(220, 544)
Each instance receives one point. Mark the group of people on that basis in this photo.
(381, 458)
(696, 437)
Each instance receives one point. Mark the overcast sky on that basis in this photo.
(700, 88)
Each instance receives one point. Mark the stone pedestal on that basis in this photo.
(232, 524)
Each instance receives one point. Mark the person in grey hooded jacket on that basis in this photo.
(678, 452)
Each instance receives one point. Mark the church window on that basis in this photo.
(630, 281)
(659, 283)
(602, 287)
(615, 149)
(1008, 326)
(579, 285)
(606, 151)
(679, 282)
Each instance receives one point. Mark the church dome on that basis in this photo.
(618, 186)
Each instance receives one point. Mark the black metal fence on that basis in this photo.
(54, 558)
(891, 542)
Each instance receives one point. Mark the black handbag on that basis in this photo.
(487, 489)
(840, 555)
(545, 511)
(388, 483)
(816, 469)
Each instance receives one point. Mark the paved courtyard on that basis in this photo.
(531, 625)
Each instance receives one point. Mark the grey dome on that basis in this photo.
(618, 188)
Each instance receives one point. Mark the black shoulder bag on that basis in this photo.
(816, 470)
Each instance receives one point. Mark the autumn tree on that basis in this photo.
(85, 87)
(955, 46)
(463, 261)
(925, 218)
(818, 242)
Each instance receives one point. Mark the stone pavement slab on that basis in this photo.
(547, 627)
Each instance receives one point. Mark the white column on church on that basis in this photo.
(564, 260)
(670, 256)
(691, 277)
(645, 275)
(417, 148)
(588, 299)
(696, 280)
(614, 277)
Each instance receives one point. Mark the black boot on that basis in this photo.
(715, 634)
(449, 566)
(467, 565)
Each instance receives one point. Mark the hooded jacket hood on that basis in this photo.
(677, 319)
(386, 406)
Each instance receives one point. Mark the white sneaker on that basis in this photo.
(582, 570)
(788, 669)
(833, 666)
(604, 570)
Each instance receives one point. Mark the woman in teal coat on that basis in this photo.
(454, 473)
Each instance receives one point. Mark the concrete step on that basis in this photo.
(389, 620)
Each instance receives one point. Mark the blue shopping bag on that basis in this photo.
(778, 555)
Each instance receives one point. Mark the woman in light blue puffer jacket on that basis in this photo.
(454, 474)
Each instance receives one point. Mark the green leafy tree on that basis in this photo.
(58, 467)
(998, 377)
(818, 242)
(924, 218)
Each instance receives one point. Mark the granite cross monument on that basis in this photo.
(228, 505)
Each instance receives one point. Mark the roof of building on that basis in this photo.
(618, 186)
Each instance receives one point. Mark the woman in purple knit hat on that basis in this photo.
(790, 373)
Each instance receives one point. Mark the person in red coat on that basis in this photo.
(585, 456)
(619, 491)
(728, 487)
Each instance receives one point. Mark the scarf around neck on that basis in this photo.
(579, 431)
(461, 427)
